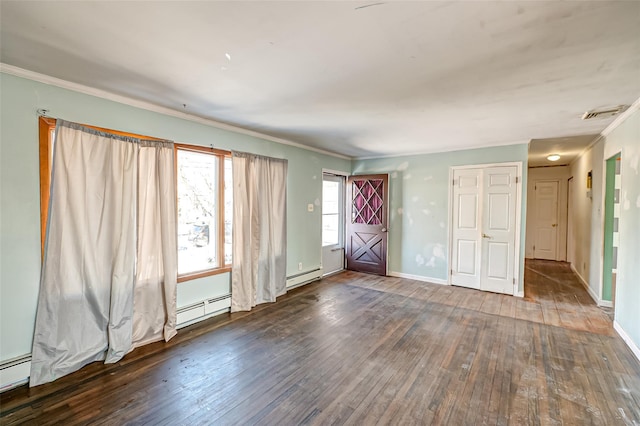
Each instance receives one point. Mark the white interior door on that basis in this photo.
(466, 228)
(546, 220)
(498, 229)
(484, 228)
(333, 211)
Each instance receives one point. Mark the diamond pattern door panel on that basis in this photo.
(367, 201)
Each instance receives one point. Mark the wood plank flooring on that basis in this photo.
(362, 349)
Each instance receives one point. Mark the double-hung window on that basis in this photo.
(204, 211)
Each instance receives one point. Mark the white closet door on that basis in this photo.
(467, 185)
(484, 228)
(498, 229)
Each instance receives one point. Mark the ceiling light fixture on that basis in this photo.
(553, 157)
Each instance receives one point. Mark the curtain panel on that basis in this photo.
(108, 281)
(258, 272)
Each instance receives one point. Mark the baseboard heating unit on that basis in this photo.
(191, 314)
(303, 278)
(15, 372)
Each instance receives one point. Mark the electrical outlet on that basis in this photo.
(310, 207)
(300, 266)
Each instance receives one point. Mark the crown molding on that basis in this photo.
(103, 94)
(441, 150)
(621, 118)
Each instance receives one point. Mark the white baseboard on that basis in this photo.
(605, 303)
(330, 274)
(15, 372)
(627, 339)
(418, 278)
(585, 284)
(520, 293)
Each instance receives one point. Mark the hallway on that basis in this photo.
(562, 298)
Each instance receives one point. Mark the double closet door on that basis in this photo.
(484, 228)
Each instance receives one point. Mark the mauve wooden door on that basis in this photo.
(367, 223)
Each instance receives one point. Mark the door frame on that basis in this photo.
(343, 229)
(607, 218)
(518, 224)
(610, 150)
(558, 221)
(570, 209)
(387, 208)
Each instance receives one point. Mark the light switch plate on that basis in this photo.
(310, 207)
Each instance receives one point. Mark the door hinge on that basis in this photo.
(452, 272)
(517, 179)
(453, 182)
(514, 281)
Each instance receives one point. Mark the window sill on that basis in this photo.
(202, 274)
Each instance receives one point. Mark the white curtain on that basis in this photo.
(259, 230)
(112, 198)
(154, 301)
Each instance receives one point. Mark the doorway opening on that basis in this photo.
(546, 221)
(613, 186)
(570, 222)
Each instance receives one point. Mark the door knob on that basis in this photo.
(554, 225)
(486, 236)
(383, 230)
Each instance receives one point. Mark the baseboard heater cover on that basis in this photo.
(303, 278)
(191, 314)
(15, 372)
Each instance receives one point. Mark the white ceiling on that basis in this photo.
(388, 79)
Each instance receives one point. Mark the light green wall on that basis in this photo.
(19, 192)
(419, 195)
(587, 217)
(626, 140)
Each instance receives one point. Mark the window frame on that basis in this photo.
(222, 155)
(46, 126)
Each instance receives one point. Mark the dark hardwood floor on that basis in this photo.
(362, 349)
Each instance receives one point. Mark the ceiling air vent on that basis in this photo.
(603, 113)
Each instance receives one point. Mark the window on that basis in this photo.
(332, 208)
(205, 212)
(205, 202)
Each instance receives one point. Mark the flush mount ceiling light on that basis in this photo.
(553, 157)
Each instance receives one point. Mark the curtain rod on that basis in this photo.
(43, 112)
